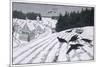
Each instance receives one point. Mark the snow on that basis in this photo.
(46, 47)
(50, 22)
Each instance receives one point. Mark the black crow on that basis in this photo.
(50, 11)
(61, 40)
(68, 31)
(74, 47)
(88, 41)
(74, 38)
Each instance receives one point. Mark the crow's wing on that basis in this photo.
(79, 45)
(69, 50)
(74, 37)
(87, 40)
(61, 40)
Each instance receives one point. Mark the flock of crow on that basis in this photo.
(75, 46)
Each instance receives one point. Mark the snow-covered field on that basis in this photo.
(47, 48)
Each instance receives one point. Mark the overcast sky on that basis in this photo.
(44, 9)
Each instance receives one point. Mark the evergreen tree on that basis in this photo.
(18, 14)
(75, 19)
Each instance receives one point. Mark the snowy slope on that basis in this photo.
(48, 48)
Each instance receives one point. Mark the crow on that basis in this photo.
(74, 38)
(74, 47)
(61, 40)
(88, 41)
(50, 11)
(68, 31)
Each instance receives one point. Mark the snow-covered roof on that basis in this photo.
(26, 24)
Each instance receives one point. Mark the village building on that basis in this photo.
(30, 29)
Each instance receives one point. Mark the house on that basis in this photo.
(26, 34)
(30, 29)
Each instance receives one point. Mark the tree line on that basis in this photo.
(21, 15)
(75, 19)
